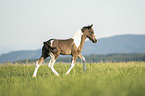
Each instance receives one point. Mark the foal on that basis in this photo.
(72, 46)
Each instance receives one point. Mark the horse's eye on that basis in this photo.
(92, 32)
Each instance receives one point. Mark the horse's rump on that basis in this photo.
(48, 49)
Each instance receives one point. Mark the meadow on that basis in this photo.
(100, 79)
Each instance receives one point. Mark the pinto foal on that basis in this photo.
(72, 46)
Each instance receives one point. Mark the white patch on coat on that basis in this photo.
(51, 42)
(77, 37)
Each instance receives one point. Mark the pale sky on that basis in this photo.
(26, 24)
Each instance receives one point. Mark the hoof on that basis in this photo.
(66, 73)
(34, 76)
(57, 75)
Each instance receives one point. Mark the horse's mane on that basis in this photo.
(88, 27)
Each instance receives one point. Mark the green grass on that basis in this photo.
(101, 79)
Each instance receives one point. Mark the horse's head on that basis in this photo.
(89, 32)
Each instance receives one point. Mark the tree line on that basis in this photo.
(126, 57)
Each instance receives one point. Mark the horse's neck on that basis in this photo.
(83, 38)
(79, 39)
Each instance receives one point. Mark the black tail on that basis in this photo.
(48, 48)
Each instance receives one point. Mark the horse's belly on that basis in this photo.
(65, 52)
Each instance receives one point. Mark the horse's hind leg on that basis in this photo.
(38, 63)
(51, 64)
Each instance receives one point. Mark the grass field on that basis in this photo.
(101, 79)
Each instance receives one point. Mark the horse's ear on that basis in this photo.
(91, 25)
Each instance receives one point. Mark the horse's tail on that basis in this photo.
(48, 49)
(46, 46)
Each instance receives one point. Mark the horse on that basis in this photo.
(72, 46)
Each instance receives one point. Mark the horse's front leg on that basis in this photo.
(72, 64)
(84, 62)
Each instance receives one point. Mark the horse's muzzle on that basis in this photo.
(95, 41)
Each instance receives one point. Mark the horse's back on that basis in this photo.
(62, 43)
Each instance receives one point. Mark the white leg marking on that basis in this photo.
(51, 64)
(71, 66)
(83, 60)
(53, 70)
(84, 64)
(51, 59)
(36, 69)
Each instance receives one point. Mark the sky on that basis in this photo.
(26, 24)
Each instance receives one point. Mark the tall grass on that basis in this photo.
(101, 79)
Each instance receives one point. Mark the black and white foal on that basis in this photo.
(72, 46)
